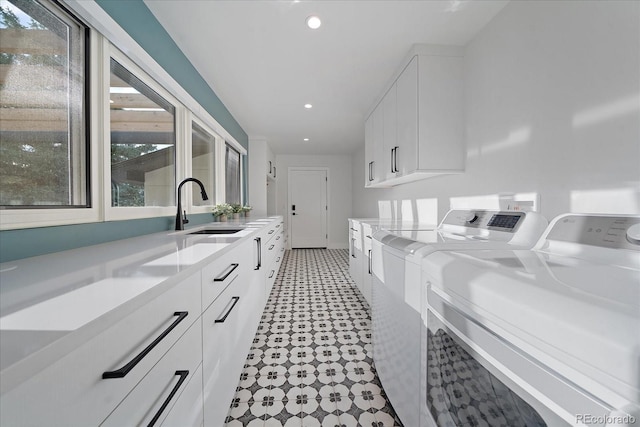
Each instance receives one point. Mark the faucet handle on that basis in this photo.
(184, 218)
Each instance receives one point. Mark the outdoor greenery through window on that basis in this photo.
(203, 146)
(43, 148)
(232, 175)
(142, 142)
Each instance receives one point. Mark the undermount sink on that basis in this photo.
(218, 231)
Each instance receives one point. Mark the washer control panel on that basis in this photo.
(619, 232)
(490, 220)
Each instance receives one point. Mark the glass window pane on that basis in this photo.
(203, 164)
(232, 175)
(142, 143)
(42, 106)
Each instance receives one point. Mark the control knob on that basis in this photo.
(471, 217)
(633, 234)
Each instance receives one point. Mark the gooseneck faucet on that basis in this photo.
(180, 220)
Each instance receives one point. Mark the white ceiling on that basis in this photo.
(264, 63)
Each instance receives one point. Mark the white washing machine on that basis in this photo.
(396, 294)
(542, 337)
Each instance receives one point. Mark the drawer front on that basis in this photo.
(72, 391)
(217, 276)
(151, 401)
(224, 338)
(188, 410)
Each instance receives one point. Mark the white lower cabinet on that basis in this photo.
(174, 361)
(225, 347)
(73, 392)
(172, 385)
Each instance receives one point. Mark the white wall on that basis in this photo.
(339, 191)
(552, 107)
(257, 175)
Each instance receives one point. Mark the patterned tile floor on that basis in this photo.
(310, 364)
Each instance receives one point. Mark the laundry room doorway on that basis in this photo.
(308, 207)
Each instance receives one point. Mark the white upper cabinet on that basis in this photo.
(416, 129)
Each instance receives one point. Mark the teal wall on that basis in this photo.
(139, 22)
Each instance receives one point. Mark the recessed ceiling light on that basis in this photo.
(306, 140)
(313, 22)
(307, 106)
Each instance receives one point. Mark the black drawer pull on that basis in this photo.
(271, 247)
(272, 273)
(278, 238)
(223, 278)
(259, 250)
(120, 373)
(278, 260)
(183, 376)
(271, 231)
(223, 318)
(370, 261)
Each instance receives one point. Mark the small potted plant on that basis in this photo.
(236, 209)
(222, 211)
(246, 210)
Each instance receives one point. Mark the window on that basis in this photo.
(232, 175)
(203, 146)
(43, 143)
(143, 142)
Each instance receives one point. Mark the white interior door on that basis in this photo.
(308, 208)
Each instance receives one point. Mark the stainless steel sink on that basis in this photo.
(218, 231)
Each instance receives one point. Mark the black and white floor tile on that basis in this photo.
(310, 363)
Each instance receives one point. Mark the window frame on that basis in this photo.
(46, 215)
(188, 196)
(114, 213)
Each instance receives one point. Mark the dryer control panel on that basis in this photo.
(505, 221)
(617, 232)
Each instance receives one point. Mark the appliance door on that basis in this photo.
(395, 334)
(473, 377)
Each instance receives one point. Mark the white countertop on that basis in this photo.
(57, 300)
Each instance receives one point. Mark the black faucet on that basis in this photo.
(180, 221)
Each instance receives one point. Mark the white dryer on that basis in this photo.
(542, 337)
(396, 294)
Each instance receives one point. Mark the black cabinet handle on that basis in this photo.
(369, 261)
(370, 171)
(274, 171)
(183, 376)
(259, 242)
(278, 260)
(278, 238)
(120, 373)
(353, 252)
(271, 247)
(395, 160)
(271, 231)
(269, 166)
(223, 318)
(353, 229)
(223, 278)
(272, 273)
(393, 152)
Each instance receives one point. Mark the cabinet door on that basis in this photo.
(223, 352)
(407, 123)
(379, 166)
(390, 160)
(368, 151)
